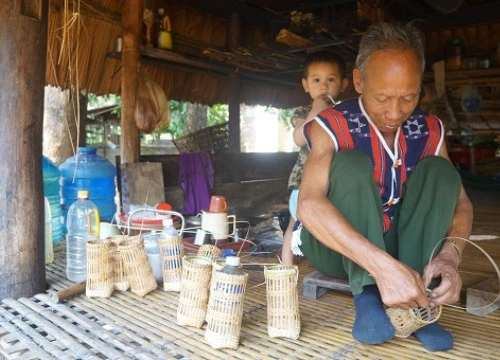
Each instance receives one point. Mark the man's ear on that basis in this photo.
(304, 85)
(357, 81)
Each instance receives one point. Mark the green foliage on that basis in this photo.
(218, 114)
(177, 118)
(284, 116)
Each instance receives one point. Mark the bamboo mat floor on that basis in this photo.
(126, 326)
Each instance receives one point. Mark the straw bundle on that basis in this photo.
(406, 322)
(210, 251)
(283, 318)
(225, 310)
(172, 251)
(137, 268)
(99, 269)
(193, 299)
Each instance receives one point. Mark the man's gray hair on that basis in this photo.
(385, 36)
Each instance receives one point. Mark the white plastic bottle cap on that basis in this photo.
(167, 222)
(83, 194)
(233, 261)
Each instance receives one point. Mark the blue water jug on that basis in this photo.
(93, 173)
(51, 191)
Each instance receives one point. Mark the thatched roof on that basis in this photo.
(269, 58)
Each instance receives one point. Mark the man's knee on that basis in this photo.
(440, 168)
(352, 164)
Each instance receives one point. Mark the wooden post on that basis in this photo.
(234, 113)
(22, 78)
(234, 88)
(131, 22)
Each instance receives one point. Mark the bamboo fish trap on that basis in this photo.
(137, 268)
(283, 317)
(225, 309)
(407, 321)
(100, 279)
(193, 299)
(210, 251)
(120, 278)
(172, 251)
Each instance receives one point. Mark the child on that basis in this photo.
(324, 78)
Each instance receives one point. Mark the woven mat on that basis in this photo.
(128, 326)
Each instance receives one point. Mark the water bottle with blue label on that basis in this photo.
(225, 305)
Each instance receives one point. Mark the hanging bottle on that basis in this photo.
(164, 29)
(225, 306)
(171, 250)
(83, 225)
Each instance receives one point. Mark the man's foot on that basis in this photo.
(434, 337)
(372, 325)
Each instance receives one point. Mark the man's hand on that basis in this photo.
(400, 286)
(445, 266)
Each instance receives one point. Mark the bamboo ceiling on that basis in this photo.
(79, 56)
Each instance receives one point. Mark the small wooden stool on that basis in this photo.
(316, 285)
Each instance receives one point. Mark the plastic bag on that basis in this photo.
(151, 106)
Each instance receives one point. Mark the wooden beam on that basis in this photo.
(22, 79)
(252, 15)
(466, 15)
(131, 23)
(234, 98)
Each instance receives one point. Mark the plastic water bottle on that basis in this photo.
(83, 225)
(172, 250)
(154, 257)
(88, 171)
(51, 176)
(49, 248)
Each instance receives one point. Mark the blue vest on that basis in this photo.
(350, 127)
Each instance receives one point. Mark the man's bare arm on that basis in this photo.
(399, 285)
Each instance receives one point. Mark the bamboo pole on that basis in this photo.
(131, 23)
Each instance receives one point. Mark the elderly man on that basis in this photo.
(379, 192)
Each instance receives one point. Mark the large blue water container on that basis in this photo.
(94, 174)
(51, 192)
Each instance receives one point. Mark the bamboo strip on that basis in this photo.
(155, 344)
(72, 329)
(30, 339)
(74, 347)
(92, 327)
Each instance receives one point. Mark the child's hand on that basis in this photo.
(320, 102)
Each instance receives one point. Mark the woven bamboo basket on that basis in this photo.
(193, 299)
(137, 268)
(283, 317)
(407, 321)
(120, 278)
(172, 251)
(225, 310)
(217, 264)
(99, 269)
(210, 251)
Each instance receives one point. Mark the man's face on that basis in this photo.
(391, 87)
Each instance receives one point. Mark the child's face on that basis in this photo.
(324, 78)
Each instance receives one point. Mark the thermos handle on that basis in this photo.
(234, 223)
(97, 222)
